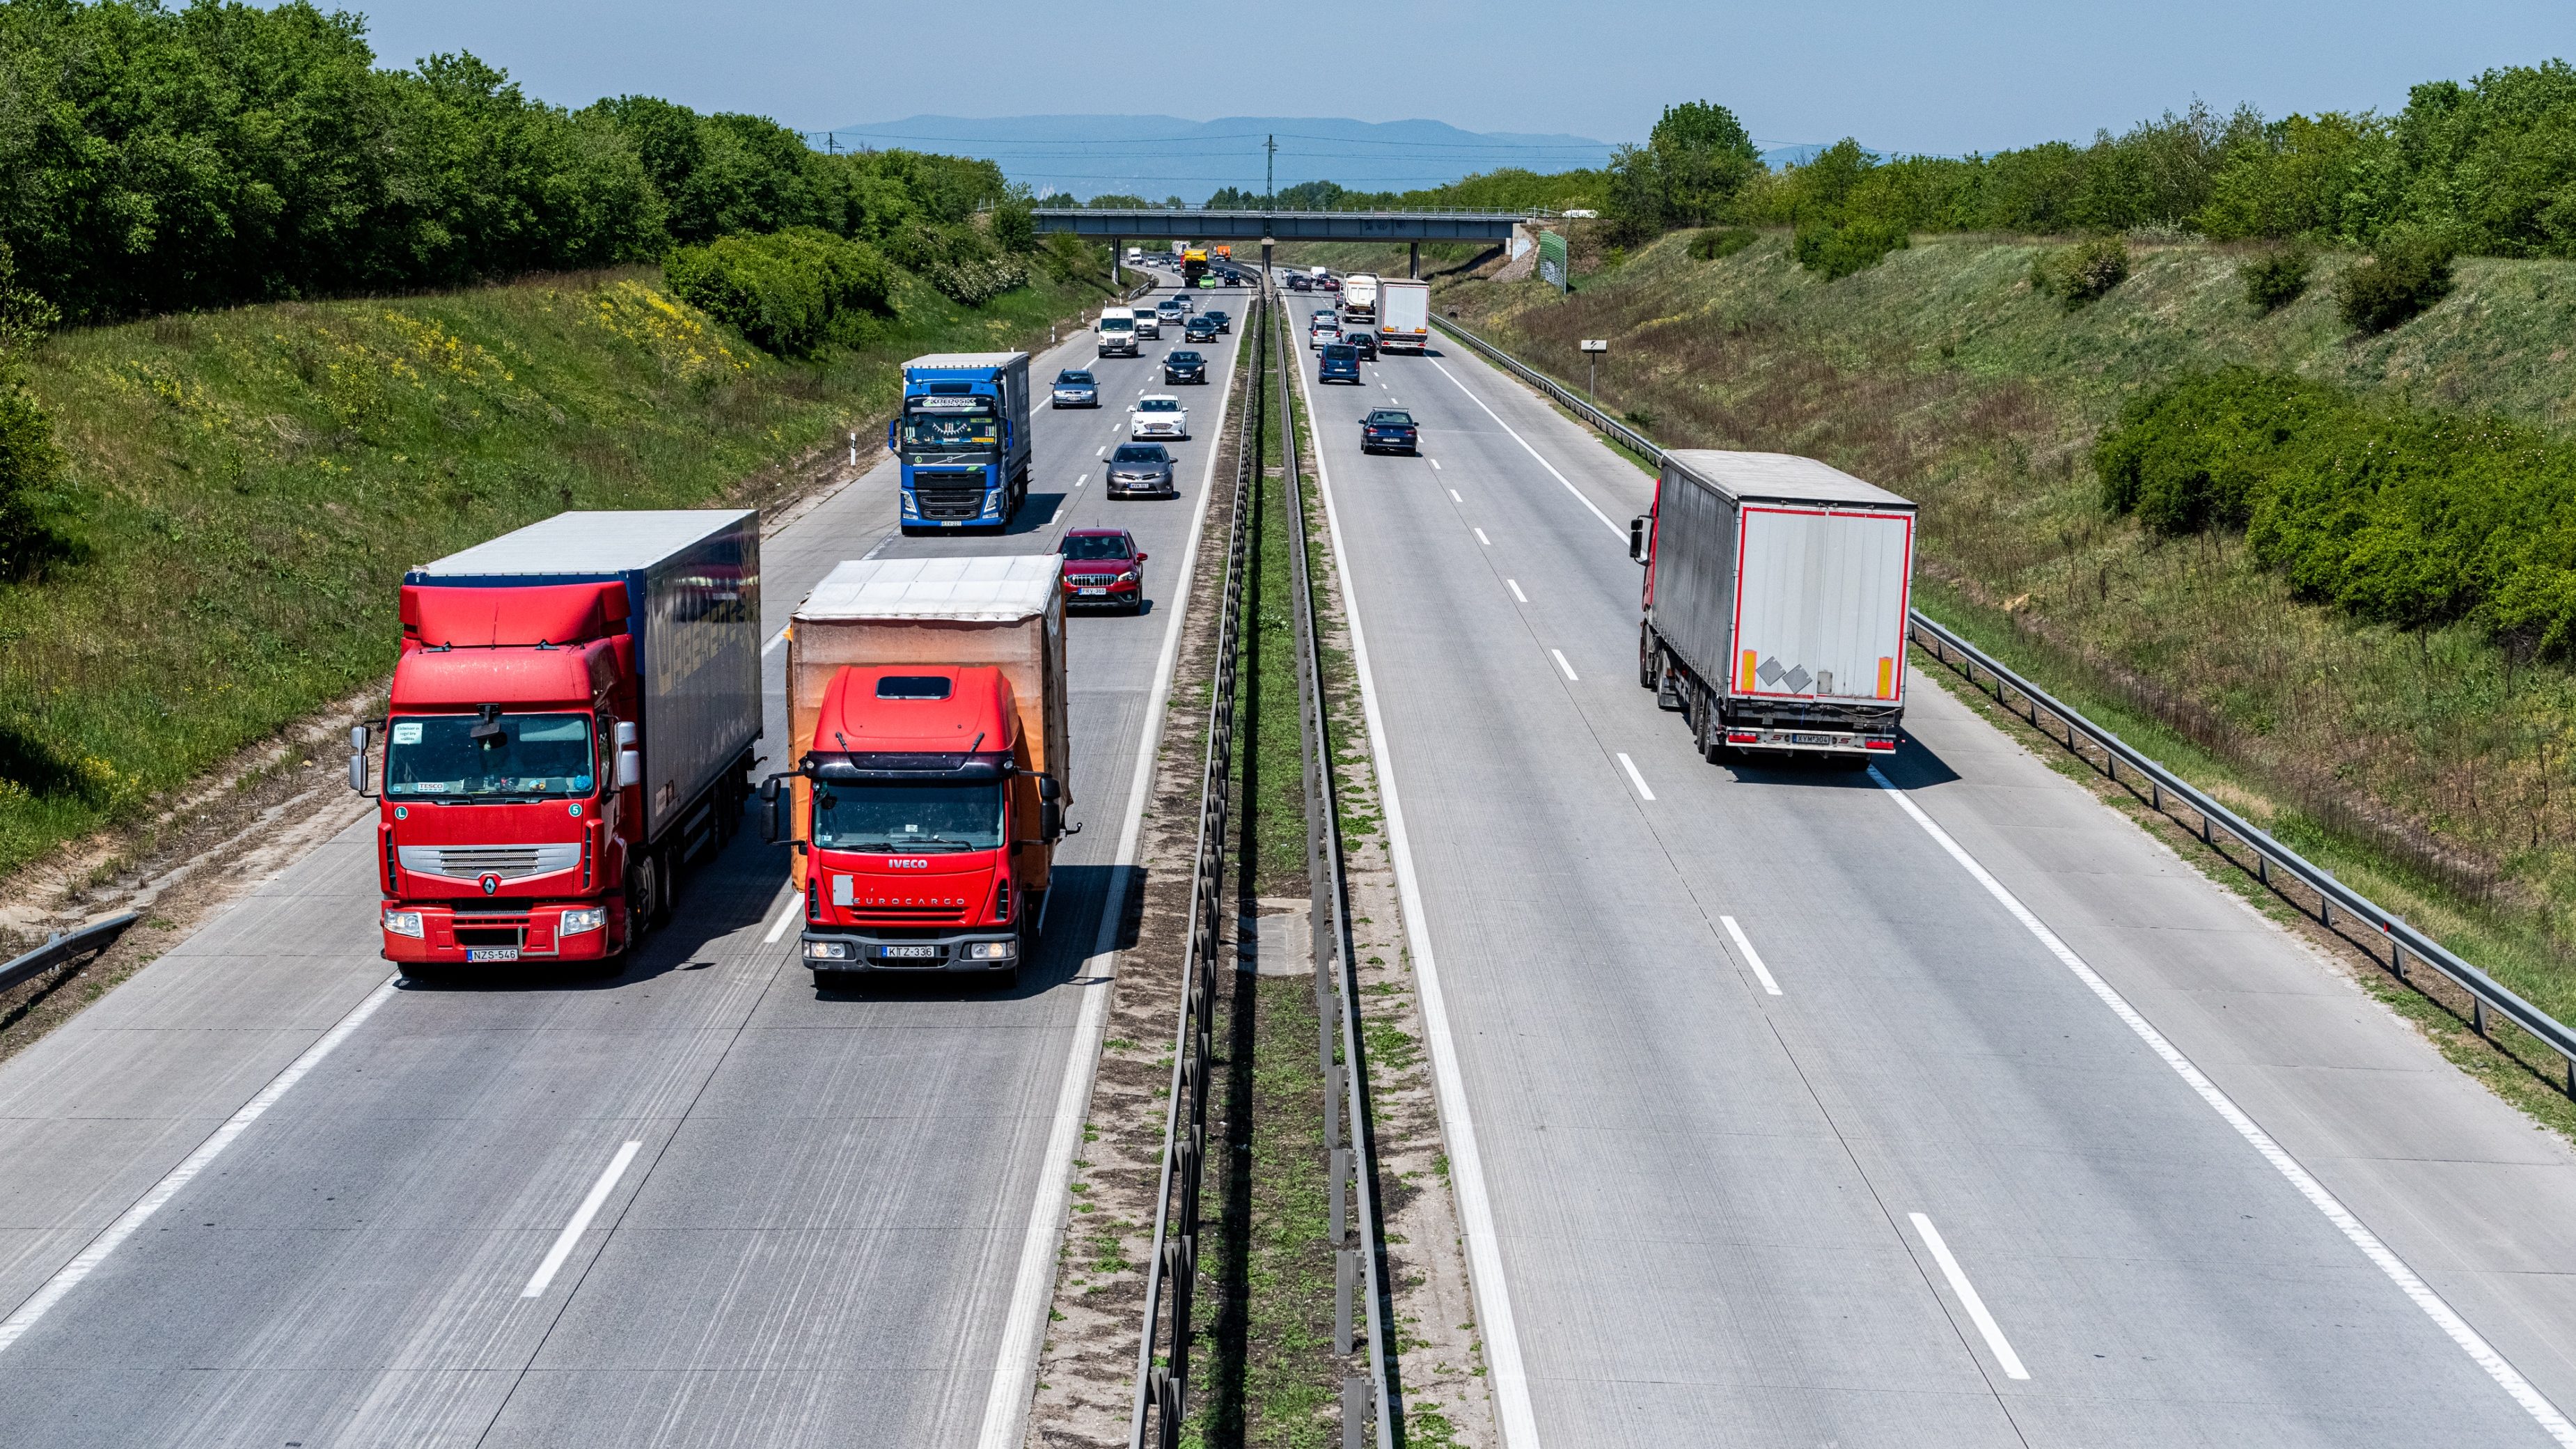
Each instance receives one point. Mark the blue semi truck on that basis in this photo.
(963, 439)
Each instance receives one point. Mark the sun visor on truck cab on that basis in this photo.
(435, 616)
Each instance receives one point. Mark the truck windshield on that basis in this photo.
(901, 819)
(948, 432)
(439, 756)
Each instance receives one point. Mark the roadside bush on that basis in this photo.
(2407, 272)
(1720, 242)
(31, 466)
(2081, 274)
(2275, 279)
(974, 283)
(1836, 249)
(2402, 516)
(787, 293)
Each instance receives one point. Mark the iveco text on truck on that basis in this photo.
(927, 715)
(963, 438)
(573, 714)
(1775, 598)
(1403, 314)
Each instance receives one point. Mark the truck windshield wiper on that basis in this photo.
(916, 842)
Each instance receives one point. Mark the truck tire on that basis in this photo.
(648, 895)
(1646, 671)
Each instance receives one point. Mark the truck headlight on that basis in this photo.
(403, 923)
(588, 918)
(992, 950)
(827, 950)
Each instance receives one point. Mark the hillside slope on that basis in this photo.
(250, 484)
(2431, 763)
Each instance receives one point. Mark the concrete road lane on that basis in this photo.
(814, 1240)
(1706, 1195)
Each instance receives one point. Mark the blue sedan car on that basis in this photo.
(1075, 388)
(1387, 430)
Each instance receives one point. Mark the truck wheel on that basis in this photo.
(1646, 670)
(648, 896)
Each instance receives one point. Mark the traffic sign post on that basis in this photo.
(1593, 347)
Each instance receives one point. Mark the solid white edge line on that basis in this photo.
(1968, 1298)
(579, 1222)
(786, 918)
(1015, 1371)
(1533, 452)
(2480, 1352)
(1480, 538)
(1512, 1411)
(1515, 585)
(1752, 957)
(1561, 664)
(1635, 778)
(39, 1303)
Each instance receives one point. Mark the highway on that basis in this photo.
(1774, 1124)
(698, 1204)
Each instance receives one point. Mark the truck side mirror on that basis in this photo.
(890, 424)
(1050, 822)
(1049, 790)
(1637, 537)
(358, 758)
(626, 734)
(630, 768)
(774, 805)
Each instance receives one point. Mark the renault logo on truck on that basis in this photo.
(490, 883)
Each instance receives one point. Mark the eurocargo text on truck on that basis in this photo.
(928, 731)
(1403, 314)
(963, 438)
(572, 718)
(1775, 598)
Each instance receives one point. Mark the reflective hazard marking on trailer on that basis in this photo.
(1886, 677)
(1744, 679)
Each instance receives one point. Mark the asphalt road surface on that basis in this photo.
(1775, 1125)
(830, 1206)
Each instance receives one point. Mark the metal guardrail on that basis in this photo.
(2165, 790)
(1361, 1269)
(66, 948)
(1162, 1355)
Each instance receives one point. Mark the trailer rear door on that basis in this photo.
(1820, 604)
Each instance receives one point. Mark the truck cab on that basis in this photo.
(917, 810)
(963, 437)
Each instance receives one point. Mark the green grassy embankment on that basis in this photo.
(2431, 768)
(250, 484)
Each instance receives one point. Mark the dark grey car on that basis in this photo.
(1142, 470)
(1075, 388)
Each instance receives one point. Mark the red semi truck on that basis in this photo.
(927, 713)
(572, 719)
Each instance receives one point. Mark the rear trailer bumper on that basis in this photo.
(1813, 741)
(984, 949)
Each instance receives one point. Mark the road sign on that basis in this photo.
(1595, 344)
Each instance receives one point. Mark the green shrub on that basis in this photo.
(972, 284)
(2408, 271)
(2401, 516)
(31, 466)
(2082, 273)
(787, 293)
(1836, 249)
(1719, 242)
(2274, 279)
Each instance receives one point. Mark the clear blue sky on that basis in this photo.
(1899, 74)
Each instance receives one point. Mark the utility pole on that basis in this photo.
(1270, 172)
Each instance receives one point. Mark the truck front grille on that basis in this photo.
(948, 497)
(907, 915)
(509, 862)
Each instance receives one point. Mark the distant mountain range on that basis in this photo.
(1160, 156)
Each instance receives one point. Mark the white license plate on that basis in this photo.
(1813, 740)
(1087, 593)
(492, 953)
(910, 953)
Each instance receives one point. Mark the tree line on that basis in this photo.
(156, 159)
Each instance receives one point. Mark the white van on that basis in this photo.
(1135, 256)
(1117, 331)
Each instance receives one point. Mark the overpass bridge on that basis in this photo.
(1116, 225)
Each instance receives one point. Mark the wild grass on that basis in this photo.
(2442, 759)
(250, 485)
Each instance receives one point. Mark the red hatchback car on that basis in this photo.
(1103, 566)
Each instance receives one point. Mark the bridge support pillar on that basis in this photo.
(1265, 261)
(1117, 272)
(1413, 259)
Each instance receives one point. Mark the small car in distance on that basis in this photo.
(1387, 430)
(1158, 415)
(1182, 365)
(1142, 468)
(1224, 320)
(1338, 362)
(1363, 339)
(1103, 566)
(1301, 284)
(1171, 312)
(1147, 324)
(1075, 388)
(1201, 328)
(1323, 330)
